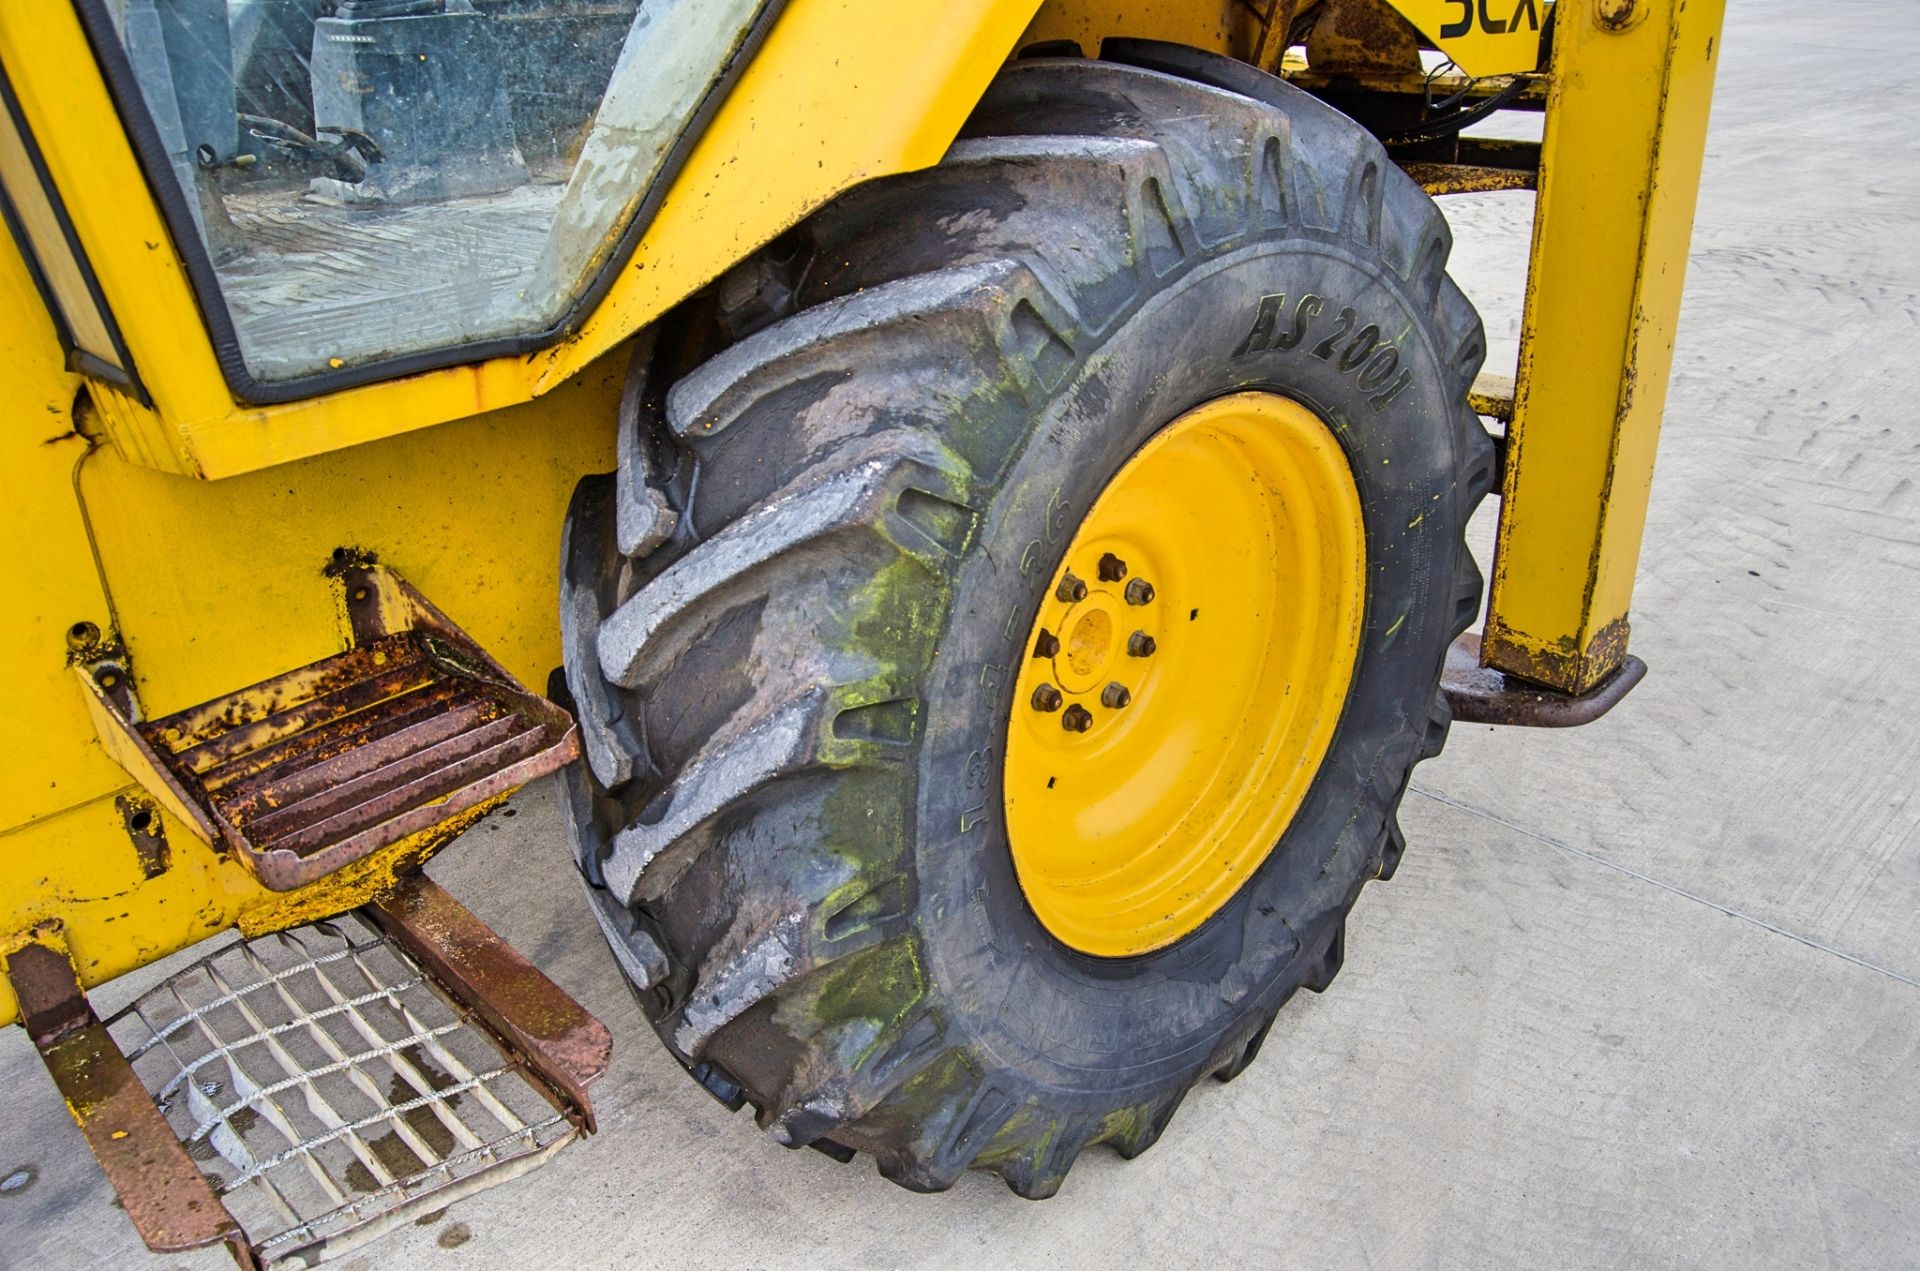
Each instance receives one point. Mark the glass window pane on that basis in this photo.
(373, 179)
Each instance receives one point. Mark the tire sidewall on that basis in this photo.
(1076, 1024)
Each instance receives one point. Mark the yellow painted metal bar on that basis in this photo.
(1620, 169)
(795, 130)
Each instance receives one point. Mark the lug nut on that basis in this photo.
(1046, 698)
(1139, 592)
(1071, 590)
(1077, 719)
(1115, 696)
(1046, 644)
(1112, 568)
(1141, 645)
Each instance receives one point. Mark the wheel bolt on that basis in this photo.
(1141, 645)
(1046, 697)
(1115, 696)
(1139, 592)
(1071, 590)
(1112, 568)
(1077, 719)
(1046, 644)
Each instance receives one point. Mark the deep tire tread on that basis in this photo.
(1182, 168)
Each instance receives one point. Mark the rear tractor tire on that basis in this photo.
(1002, 652)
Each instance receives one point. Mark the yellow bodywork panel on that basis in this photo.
(218, 585)
(1219, 26)
(1483, 37)
(1620, 170)
(48, 760)
(798, 127)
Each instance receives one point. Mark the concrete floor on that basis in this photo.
(1642, 995)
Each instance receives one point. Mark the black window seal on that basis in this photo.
(205, 282)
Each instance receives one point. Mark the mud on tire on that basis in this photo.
(790, 615)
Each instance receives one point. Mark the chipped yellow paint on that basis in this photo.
(473, 511)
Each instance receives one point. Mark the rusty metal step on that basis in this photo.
(314, 769)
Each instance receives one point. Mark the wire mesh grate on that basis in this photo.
(327, 1088)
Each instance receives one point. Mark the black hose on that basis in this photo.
(1450, 124)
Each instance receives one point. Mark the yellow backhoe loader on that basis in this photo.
(967, 498)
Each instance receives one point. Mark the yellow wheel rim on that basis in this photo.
(1185, 674)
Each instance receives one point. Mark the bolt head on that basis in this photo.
(1139, 592)
(1112, 568)
(1070, 591)
(1046, 697)
(1616, 15)
(1046, 644)
(1141, 645)
(1077, 719)
(1115, 696)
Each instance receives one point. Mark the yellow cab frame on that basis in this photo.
(157, 518)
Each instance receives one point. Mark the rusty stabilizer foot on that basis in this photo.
(1482, 695)
(169, 1201)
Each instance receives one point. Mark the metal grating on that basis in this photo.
(328, 1089)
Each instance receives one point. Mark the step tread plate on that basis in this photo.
(313, 769)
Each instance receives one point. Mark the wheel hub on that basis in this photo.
(1089, 644)
(1185, 674)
